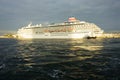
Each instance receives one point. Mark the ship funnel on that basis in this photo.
(72, 19)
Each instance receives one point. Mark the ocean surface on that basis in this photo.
(60, 59)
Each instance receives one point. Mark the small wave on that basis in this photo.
(90, 48)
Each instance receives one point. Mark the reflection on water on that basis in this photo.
(56, 51)
(44, 59)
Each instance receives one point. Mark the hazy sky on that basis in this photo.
(17, 13)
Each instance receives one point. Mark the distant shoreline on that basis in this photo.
(3, 37)
(111, 35)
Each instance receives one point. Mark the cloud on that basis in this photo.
(16, 13)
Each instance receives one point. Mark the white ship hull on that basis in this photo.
(50, 36)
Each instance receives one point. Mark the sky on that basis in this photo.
(17, 13)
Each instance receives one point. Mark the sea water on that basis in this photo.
(60, 59)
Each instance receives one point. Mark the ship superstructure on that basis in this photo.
(72, 28)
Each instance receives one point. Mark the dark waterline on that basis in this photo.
(87, 59)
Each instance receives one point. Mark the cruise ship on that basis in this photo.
(70, 29)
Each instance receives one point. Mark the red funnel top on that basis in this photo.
(72, 19)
